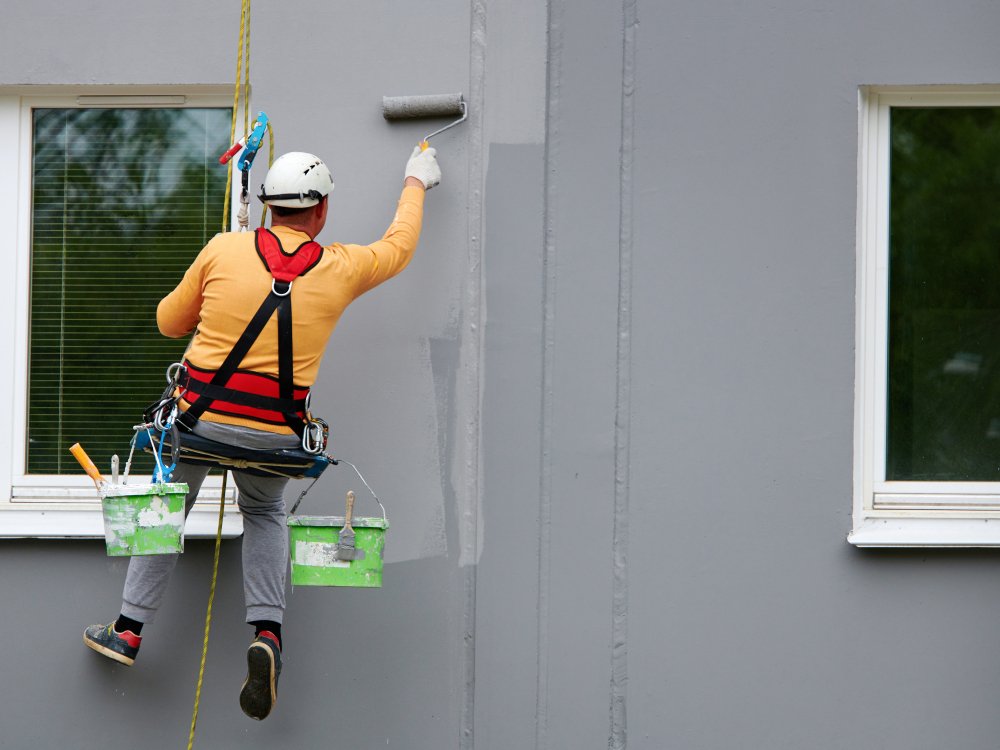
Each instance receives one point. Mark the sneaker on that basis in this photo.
(260, 688)
(104, 639)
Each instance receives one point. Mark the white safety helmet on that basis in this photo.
(296, 180)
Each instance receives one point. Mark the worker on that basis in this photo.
(217, 300)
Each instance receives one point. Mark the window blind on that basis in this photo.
(944, 295)
(122, 202)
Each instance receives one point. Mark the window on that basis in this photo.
(108, 197)
(927, 438)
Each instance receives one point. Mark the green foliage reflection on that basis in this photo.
(944, 295)
(122, 201)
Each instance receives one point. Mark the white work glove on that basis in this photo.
(423, 165)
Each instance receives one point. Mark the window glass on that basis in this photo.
(944, 295)
(122, 202)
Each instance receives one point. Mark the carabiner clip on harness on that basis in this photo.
(161, 416)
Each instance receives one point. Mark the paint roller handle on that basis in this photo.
(350, 509)
(84, 460)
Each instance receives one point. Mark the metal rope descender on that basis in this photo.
(250, 145)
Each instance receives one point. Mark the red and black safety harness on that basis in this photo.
(235, 392)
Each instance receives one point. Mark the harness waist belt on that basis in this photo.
(247, 394)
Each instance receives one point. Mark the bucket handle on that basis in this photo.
(365, 483)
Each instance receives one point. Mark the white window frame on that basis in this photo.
(53, 506)
(900, 514)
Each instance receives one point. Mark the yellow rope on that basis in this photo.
(246, 71)
(242, 54)
(208, 613)
(242, 51)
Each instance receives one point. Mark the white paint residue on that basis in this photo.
(318, 555)
(155, 515)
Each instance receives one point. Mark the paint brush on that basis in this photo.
(345, 539)
(88, 466)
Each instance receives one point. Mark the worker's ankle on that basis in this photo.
(270, 626)
(124, 623)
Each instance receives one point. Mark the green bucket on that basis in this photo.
(313, 542)
(143, 519)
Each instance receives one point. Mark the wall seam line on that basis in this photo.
(552, 83)
(620, 535)
(474, 367)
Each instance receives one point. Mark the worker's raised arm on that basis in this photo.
(388, 256)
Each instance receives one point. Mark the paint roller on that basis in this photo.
(422, 107)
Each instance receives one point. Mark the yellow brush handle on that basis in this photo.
(88, 466)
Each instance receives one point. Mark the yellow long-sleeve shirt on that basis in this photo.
(227, 283)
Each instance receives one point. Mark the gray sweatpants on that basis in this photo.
(265, 538)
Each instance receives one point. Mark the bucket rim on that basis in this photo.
(134, 490)
(363, 522)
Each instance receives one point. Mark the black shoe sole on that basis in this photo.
(258, 695)
(120, 658)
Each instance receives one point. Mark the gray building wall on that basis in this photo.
(609, 405)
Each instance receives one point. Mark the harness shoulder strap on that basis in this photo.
(284, 269)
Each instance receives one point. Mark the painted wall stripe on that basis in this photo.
(473, 336)
(623, 406)
(552, 81)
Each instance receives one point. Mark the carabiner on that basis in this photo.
(174, 371)
(315, 436)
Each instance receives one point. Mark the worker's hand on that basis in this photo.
(424, 167)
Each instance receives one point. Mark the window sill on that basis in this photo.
(925, 532)
(86, 522)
